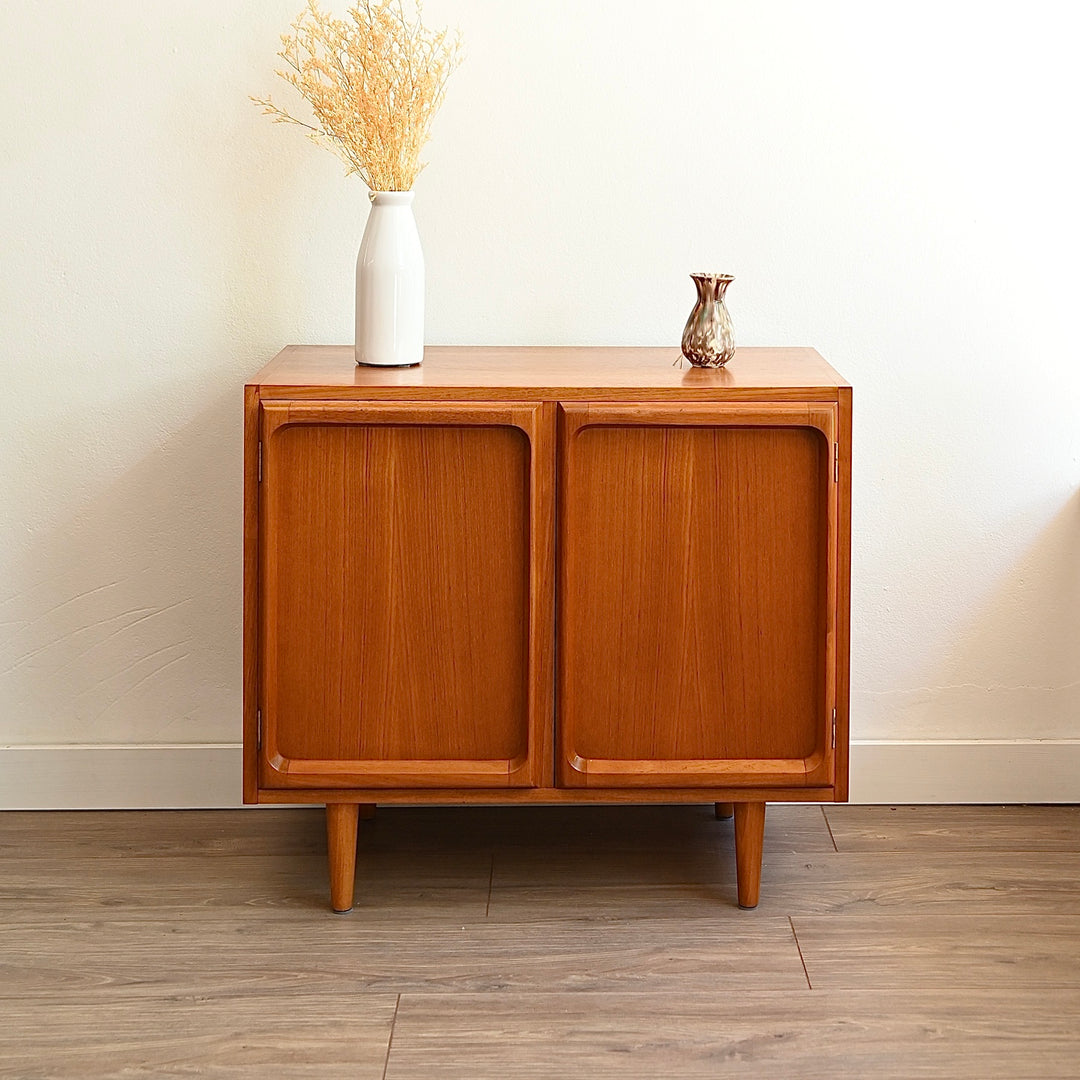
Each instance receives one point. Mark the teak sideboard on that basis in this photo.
(546, 575)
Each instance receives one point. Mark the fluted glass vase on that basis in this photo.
(708, 339)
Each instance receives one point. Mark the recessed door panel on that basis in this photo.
(697, 589)
(406, 628)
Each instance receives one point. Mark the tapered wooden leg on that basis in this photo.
(341, 819)
(367, 811)
(749, 841)
(724, 810)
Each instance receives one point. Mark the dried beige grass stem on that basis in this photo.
(374, 81)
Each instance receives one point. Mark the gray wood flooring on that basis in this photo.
(550, 942)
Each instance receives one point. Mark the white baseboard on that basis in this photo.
(127, 777)
(208, 775)
(966, 771)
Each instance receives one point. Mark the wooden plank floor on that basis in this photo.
(548, 942)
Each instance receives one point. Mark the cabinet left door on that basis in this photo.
(405, 595)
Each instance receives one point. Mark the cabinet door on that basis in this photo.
(697, 595)
(406, 592)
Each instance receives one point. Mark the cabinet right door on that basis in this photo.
(697, 595)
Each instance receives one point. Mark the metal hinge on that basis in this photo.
(260, 461)
(836, 461)
(258, 729)
(834, 729)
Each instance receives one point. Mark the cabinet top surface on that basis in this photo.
(534, 371)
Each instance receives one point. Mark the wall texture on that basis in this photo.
(894, 185)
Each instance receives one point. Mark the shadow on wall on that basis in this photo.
(133, 602)
(1014, 669)
(123, 623)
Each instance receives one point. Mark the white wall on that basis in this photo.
(893, 184)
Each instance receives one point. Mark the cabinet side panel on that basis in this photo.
(843, 599)
(692, 605)
(401, 591)
(251, 593)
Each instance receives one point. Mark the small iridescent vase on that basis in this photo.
(708, 340)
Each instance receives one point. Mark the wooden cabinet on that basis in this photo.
(546, 575)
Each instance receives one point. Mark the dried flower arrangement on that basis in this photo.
(374, 81)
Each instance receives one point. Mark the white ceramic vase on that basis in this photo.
(390, 285)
